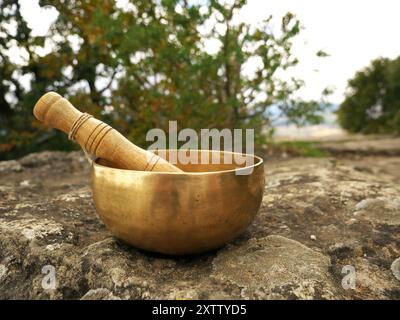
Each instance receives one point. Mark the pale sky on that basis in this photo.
(352, 32)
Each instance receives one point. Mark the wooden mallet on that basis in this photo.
(96, 137)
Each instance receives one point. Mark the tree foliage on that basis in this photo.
(144, 64)
(372, 104)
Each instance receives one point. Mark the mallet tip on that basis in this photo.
(44, 104)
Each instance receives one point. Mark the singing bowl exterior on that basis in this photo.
(175, 213)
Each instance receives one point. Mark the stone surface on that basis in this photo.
(374, 145)
(275, 267)
(319, 219)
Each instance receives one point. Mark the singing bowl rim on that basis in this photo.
(259, 161)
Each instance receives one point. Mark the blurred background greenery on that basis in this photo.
(139, 68)
(372, 103)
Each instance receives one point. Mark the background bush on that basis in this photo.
(140, 66)
(372, 103)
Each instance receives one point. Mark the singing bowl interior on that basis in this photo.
(179, 213)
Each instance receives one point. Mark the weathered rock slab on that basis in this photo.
(319, 219)
(275, 267)
(374, 145)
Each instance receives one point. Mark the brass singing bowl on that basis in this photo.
(179, 213)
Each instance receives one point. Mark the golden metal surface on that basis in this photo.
(178, 213)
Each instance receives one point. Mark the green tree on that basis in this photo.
(202, 89)
(141, 66)
(14, 34)
(372, 104)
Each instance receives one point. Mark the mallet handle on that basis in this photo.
(96, 137)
